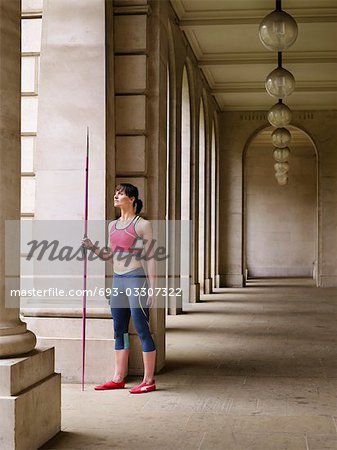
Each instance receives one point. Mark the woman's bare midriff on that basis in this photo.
(126, 263)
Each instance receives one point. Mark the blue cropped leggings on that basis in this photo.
(127, 300)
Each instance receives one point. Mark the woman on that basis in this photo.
(129, 278)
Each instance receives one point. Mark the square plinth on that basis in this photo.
(31, 416)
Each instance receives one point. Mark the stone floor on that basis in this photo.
(247, 369)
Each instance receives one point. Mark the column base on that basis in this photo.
(64, 333)
(174, 311)
(208, 286)
(30, 400)
(327, 281)
(175, 305)
(195, 293)
(17, 344)
(175, 302)
(230, 280)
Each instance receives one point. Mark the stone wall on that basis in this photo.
(236, 129)
(280, 221)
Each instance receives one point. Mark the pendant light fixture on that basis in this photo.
(280, 82)
(279, 115)
(281, 154)
(278, 31)
(281, 137)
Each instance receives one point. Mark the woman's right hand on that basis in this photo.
(86, 243)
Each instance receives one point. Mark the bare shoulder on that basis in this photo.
(111, 223)
(143, 226)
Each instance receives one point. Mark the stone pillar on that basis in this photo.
(216, 204)
(30, 395)
(14, 337)
(156, 132)
(174, 210)
(208, 203)
(195, 285)
(140, 110)
(174, 183)
(71, 97)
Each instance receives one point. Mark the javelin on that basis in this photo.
(84, 302)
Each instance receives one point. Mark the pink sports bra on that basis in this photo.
(124, 239)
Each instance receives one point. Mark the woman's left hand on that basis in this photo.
(151, 301)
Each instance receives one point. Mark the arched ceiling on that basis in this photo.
(223, 35)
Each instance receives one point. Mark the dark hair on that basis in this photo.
(131, 191)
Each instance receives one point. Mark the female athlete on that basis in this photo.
(129, 235)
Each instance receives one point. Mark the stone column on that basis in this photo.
(72, 97)
(140, 58)
(174, 183)
(195, 285)
(30, 391)
(208, 203)
(215, 205)
(15, 339)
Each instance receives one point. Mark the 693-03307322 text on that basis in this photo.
(102, 292)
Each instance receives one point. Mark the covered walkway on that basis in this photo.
(247, 369)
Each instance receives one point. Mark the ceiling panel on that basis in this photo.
(251, 101)
(235, 63)
(224, 38)
(239, 73)
(212, 39)
(306, 72)
(316, 36)
(258, 72)
(191, 6)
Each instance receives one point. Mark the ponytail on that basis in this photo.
(138, 204)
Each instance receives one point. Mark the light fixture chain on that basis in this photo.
(277, 32)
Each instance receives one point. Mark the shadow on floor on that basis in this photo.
(293, 282)
(281, 282)
(70, 441)
(291, 366)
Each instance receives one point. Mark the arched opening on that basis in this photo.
(280, 222)
(185, 251)
(202, 161)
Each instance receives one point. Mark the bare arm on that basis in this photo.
(147, 236)
(105, 255)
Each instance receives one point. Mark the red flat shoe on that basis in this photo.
(143, 387)
(110, 385)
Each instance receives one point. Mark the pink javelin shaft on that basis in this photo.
(84, 302)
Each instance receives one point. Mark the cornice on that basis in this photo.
(222, 59)
(248, 87)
